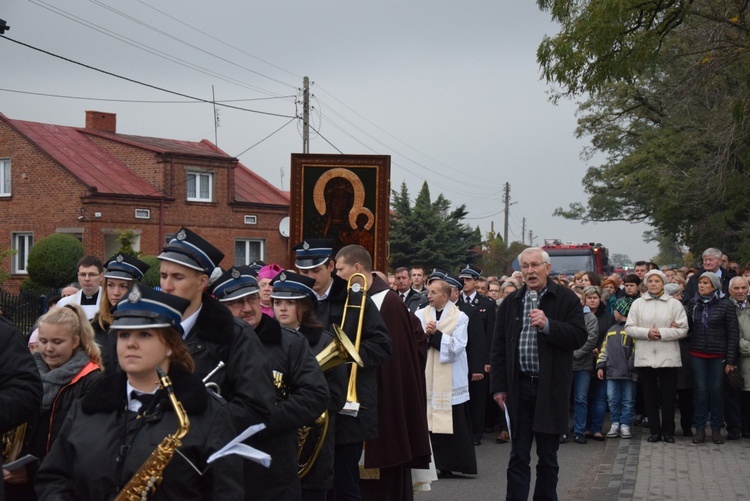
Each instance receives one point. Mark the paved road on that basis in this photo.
(618, 470)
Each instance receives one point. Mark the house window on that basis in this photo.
(4, 177)
(251, 219)
(143, 213)
(22, 244)
(247, 250)
(200, 186)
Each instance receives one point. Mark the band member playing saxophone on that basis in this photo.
(128, 435)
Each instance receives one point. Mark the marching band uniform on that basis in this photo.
(103, 442)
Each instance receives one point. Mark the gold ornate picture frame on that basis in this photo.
(343, 197)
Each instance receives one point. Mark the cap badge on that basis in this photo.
(181, 235)
(282, 277)
(305, 246)
(235, 273)
(135, 294)
(119, 258)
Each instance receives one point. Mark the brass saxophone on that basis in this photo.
(149, 475)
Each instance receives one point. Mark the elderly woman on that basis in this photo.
(714, 352)
(657, 321)
(116, 428)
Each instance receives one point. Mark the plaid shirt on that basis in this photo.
(528, 343)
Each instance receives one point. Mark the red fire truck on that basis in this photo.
(570, 258)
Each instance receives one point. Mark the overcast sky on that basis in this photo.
(450, 90)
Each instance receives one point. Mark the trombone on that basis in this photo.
(352, 404)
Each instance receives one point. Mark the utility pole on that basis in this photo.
(216, 119)
(506, 199)
(523, 231)
(531, 237)
(306, 115)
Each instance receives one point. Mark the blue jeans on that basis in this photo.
(597, 405)
(621, 399)
(581, 380)
(708, 382)
(519, 471)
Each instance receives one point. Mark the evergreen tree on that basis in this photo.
(430, 233)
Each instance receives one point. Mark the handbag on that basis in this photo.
(735, 379)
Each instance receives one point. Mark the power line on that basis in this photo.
(177, 39)
(151, 50)
(268, 136)
(207, 101)
(61, 96)
(299, 77)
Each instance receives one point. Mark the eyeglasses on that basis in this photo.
(88, 275)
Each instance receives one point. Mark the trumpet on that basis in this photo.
(352, 404)
(210, 385)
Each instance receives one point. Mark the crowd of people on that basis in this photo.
(357, 384)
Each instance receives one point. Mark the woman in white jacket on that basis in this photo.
(658, 321)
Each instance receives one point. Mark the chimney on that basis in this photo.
(100, 120)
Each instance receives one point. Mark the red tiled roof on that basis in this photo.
(73, 149)
(77, 153)
(250, 187)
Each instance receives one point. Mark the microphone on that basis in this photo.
(534, 297)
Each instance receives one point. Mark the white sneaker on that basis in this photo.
(625, 431)
(614, 431)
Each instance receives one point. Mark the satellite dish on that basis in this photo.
(284, 227)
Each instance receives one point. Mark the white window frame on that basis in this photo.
(194, 178)
(250, 219)
(143, 213)
(5, 188)
(22, 243)
(246, 260)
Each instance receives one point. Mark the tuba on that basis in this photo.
(12, 442)
(339, 351)
(149, 475)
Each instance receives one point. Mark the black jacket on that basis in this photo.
(107, 342)
(566, 333)
(68, 394)
(305, 398)
(476, 345)
(20, 385)
(102, 445)
(723, 334)
(320, 475)
(486, 308)
(246, 381)
(375, 348)
(691, 288)
(413, 299)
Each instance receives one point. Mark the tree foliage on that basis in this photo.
(53, 259)
(430, 233)
(497, 258)
(667, 103)
(125, 239)
(151, 277)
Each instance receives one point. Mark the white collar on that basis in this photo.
(135, 405)
(327, 293)
(189, 322)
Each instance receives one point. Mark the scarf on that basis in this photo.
(703, 307)
(53, 380)
(656, 296)
(439, 377)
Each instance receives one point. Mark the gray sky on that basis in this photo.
(450, 90)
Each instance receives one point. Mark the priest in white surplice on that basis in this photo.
(447, 380)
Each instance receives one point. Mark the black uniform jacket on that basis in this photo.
(320, 475)
(305, 398)
(485, 307)
(102, 445)
(567, 332)
(476, 344)
(20, 385)
(246, 381)
(374, 349)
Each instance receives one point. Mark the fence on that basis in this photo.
(23, 308)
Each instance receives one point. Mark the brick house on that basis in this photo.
(94, 183)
